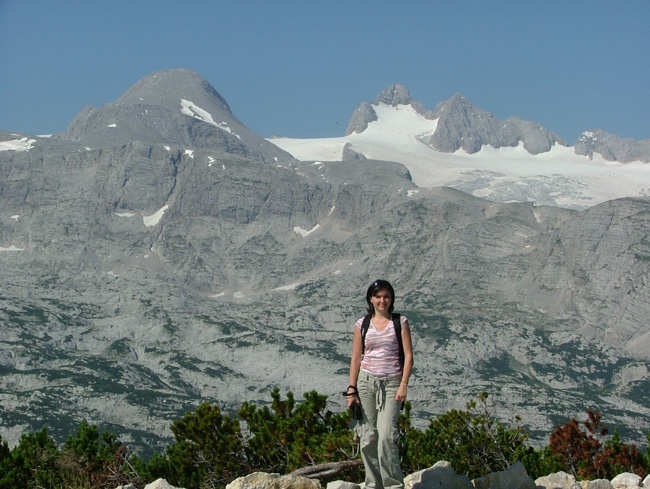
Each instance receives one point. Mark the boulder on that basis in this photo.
(262, 480)
(558, 480)
(646, 482)
(160, 484)
(439, 476)
(596, 484)
(514, 477)
(342, 485)
(626, 480)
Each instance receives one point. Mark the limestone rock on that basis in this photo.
(360, 118)
(160, 484)
(612, 147)
(558, 480)
(626, 480)
(396, 94)
(440, 476)
(350, 154)
(342, 485)
(263, 480)
(596, 484)
(514, 477)
(463, 125)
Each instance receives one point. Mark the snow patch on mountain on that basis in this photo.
(304, 232)
(287, 287)
(191, 109)
(154, 218)
(21, 144)
(11, 248)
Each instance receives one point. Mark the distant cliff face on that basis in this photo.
(141, 276)
(612, 147)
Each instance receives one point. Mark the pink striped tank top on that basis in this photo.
(381, 357)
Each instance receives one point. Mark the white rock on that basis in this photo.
(558, 480)
(646, 482)
(626, 480)
(160, 484)
(262, 480)
(514, 477)
(342, 485)
(440, 476)
(596, 484)
(128, 486)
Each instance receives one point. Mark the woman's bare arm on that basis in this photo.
(408, 362)
(355, 363)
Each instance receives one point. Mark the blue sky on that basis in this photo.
(299, 68)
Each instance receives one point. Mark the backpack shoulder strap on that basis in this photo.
(365, 324)
(397, 325)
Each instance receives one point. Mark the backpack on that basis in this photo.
(397, 324)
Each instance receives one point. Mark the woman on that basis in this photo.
(379, 373)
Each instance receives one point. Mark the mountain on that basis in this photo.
(462, 146)
(612, 147)
(142, 276)
(459, 124)
(175, 107)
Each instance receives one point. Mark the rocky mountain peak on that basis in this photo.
(463, 125)
(175, 107)
(395, 94)
(167, 88)
(612, 147)
(458, 104)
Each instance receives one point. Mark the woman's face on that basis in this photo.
(381, 301)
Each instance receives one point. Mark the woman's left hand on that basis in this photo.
(400, 395)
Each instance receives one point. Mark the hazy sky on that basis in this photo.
(299, 68)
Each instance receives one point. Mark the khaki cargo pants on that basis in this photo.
(378, 431)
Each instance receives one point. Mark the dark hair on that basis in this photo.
(375, 287)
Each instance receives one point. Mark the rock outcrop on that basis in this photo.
(626, 480)
(514, 477)
(462, 125)
(262, 480)
(440, 476)
(559, 480)
(596, 484)
(612, 147)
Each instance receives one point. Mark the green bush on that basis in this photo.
(290, 435)
(31, 464)
(211, 448)
(473, 441)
